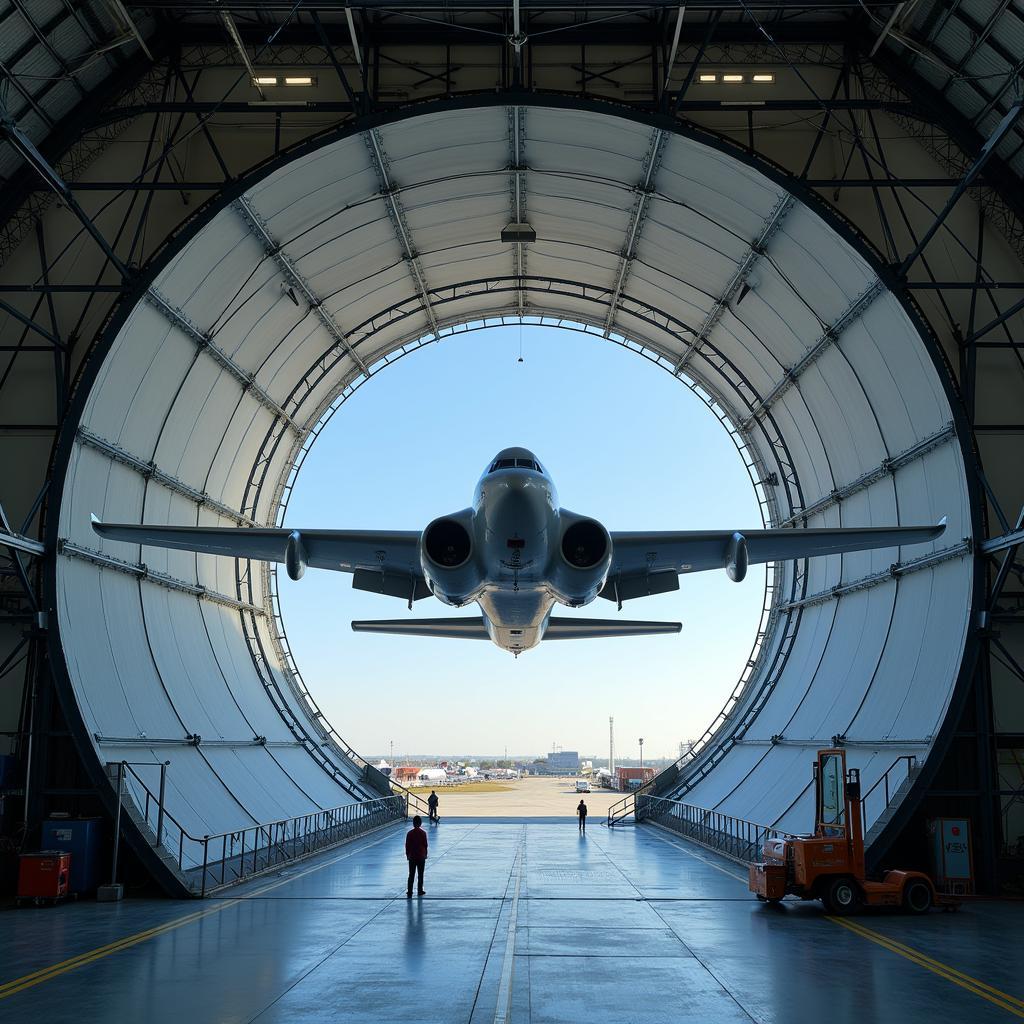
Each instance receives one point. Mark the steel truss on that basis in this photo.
(51, 319)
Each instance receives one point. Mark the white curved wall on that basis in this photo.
(877, 665)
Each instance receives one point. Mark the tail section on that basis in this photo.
(588, 629)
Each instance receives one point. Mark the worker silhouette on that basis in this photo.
(581, 813)
(416, 854)
(432, 802)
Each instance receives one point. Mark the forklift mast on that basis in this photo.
(837, 805)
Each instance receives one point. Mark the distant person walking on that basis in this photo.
(416, 853)
(432, 804)
(581, 813)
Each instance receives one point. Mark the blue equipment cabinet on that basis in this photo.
(82, 838)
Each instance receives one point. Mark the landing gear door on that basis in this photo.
(831, 779)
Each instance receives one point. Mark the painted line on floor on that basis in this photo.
(11, 988)
(966, 981)
(503, 1008)
(974, 985)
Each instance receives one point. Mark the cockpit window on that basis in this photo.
(514, 463)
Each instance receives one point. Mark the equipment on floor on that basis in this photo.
(43, 877)
(829, 865)
(81, 837)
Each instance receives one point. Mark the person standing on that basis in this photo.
(432, 802)
(416, 854)
(581, 813)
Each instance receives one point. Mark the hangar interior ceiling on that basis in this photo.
(196, 270)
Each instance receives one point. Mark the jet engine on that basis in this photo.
(447, 558)
(580, 566)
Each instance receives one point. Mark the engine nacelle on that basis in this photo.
(448, 559)
(580, 565)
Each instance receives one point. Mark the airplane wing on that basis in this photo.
(649, 563)
(385, 562)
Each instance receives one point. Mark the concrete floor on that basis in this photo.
(522, 922)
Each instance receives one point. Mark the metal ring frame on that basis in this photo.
(257, 481)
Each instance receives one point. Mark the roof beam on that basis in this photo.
(28, 152)
(151, 471)
(16, 542)
(517, 146)
(895, 571)
(637, 217)
(886, 468)
(987, 150)
(273, 249)
(142, 571)
(396, 212)
(206, 344)
(738, 279)
(828, 338)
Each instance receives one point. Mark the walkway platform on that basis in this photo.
(522, 922)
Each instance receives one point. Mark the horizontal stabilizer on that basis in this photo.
(588, 629)
(454, 629)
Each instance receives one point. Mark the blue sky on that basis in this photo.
(625, 443)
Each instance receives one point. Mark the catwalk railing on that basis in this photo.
(736, 838)
(210, 862)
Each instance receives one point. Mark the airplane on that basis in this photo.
(516, 553)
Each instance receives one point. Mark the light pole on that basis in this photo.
(641, 751)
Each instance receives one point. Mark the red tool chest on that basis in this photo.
(43, 876)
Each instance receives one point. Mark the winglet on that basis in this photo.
(95, 521)
(942, 522)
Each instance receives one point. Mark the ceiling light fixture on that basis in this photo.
(732, 78)
(764, 78)
(261, 80)
(298, 80)
(709, 78)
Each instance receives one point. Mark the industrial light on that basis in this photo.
(518, 233)
(262, 80)
(299, 80)
(732, 78)
(764, 78)
(709, 78)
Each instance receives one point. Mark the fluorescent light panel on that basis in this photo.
(732, 78)
(298, 80)
(265, 80)
(736, 77)
(709, 78)
(764, 78)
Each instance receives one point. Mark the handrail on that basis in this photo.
(619, 811)
(210, 862)
(911, 764)
(736, 838)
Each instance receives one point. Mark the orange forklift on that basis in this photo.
(829, 865)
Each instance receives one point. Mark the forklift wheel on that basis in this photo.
(841, 897)
(917, 897)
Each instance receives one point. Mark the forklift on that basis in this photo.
(829, 865)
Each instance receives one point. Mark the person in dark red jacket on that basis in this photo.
(416, 853)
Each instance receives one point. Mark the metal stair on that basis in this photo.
(893, 787)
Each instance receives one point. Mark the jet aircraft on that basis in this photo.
(516, 553)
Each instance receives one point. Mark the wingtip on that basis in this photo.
(95, 521)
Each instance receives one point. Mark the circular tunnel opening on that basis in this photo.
(628, 444)
(198, 407)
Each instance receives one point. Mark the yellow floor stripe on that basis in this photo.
(11, 988)
(975, 985)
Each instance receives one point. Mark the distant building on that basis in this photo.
(627, 778)
(563, 761)
(405, 773)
